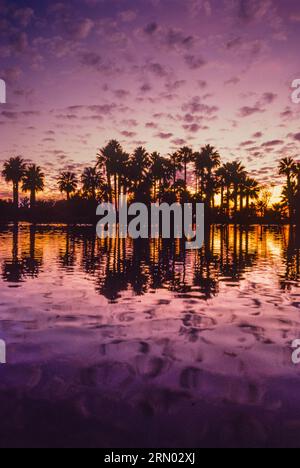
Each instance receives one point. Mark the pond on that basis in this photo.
(122, 343)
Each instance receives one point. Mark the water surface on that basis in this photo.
(123, 343)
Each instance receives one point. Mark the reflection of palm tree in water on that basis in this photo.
(235, 257)
(113, 278)
(20, 267)
(205, 274)
(13, 270)
(32, 264)
(67, 257)
(145, 266)
(291, 253)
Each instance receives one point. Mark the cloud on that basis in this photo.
(295, 136)
(81, 30)
(247, 111)
(157, 69)
(193, 62)
(178, 142)
(145, 88)
(268, 98)
(127, 134)
(270, 144)
(151, 28)
(164, 136)
(195, 106)
(259, 108)
(151, 125)
(91, 59)
(169, 37)
(127, 16)
(232, 81)
(130, 123)
(197, 7)
(121, 93)
(194, 128)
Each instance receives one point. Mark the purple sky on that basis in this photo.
(159, 73)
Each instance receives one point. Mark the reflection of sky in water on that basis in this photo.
(153, 331)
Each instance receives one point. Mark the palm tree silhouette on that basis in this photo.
(92, 182)
(161, 173)
(13, 171)
(211, 160)
(223, 182)
(139, 165)
(113, 160)
(185, 156)
(176, 166)
(297, 201)
(237, 176)
(33, 182)
(199, 169)
(251, 191)
(67, 182)
(288, 167)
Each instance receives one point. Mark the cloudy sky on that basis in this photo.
(158, 73)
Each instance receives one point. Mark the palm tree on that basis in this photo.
(277, 210)
(33, 182)
(251, 191)
(13, 171)
(176, 166)
(157, 173)
(139, 165)
(222, 176)
(288, 168)
(67, 182)
(211, 160)
(200, 167)
(185, 156)
(92, 181)
(237, 176)
(113, 159)
(161, 172)
(297, 198)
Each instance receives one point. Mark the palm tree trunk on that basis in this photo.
(116, 191)
(16, 195)
(222, 198)
(109, 186)
(32, 199)
(235, 200)
(202, 185)
(289, 187)
(228, 201)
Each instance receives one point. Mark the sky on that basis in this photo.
(157, 73)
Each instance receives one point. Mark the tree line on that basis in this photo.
(227, 190)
